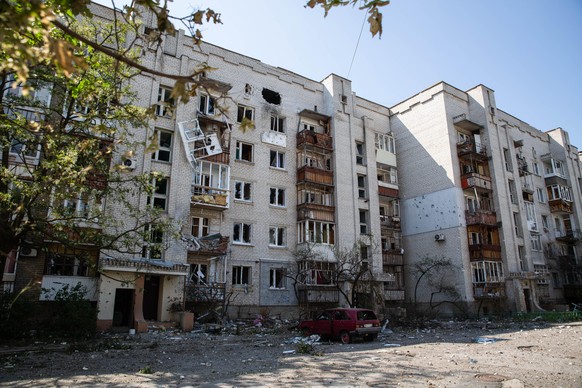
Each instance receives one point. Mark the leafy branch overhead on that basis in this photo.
(371, 6)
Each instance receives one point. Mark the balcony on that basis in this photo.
(471, 150)
(393, 295)
(476, 181)
(205, 293)
(560, 206)
(481, 217)
(318, 293)
(312, 138)
(569, 236)
(484, 252)
(313, 211)
(391, 222)
(525, 275)
(387, 191)
(209, 197)
(393, 257)
(315, 175)
(158, 267)
(488, 291)
(211, 245)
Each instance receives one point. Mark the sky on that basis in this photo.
(528, 51)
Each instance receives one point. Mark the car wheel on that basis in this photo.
(305, 332)
(345, 337)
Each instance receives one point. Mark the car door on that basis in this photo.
(322, 324)
(341, 322)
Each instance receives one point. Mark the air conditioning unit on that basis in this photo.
(130, 163)
(28, 252)
(439, 237)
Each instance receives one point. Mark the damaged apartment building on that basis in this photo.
(326, 187)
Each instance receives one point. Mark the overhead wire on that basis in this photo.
(357, 44)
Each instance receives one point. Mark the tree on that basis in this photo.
(436, 271)
(59, 135)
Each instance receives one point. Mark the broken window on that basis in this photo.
(277, 159)
(164, 151)
(241, 275)
(277, 197)
(244, 112)
(242, 191)
(200, 226)
(165, 105)
(277, 236)
(206, 105)
(271, 97)
(244, 151)
(198, 273)
(277, 278)
(160, 194)
(242, 233)
(277, 124)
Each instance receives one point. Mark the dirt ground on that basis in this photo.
(442, 354)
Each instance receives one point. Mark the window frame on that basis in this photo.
(277, 236)
(279, 199)
(162, 148)
(240, 273)
(165, 104)
(242, 112)
(202, 225)
(244, 185)
(206, 105)
(277, 124)
(238, 236)
(240, 151)
(279, 159)
(277, 278)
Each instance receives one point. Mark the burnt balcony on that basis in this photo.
(471, 150)
(560, 206)
(205, 293)
(313, 211)
(481, 217)
(476, 181)
(312, 138)
(489, 290)
(315, 175)
(390, 222)
(484, 252)
(309, 293)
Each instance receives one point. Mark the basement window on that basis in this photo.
(271, 97)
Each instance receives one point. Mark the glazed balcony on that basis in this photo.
(313, 211)
(481, 217)
(476, 181)
(318, 293)
(315, 175)
(314, 139)
(484, 252)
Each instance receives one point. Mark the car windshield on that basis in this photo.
(366, 315)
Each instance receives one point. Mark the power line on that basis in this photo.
(357, 44)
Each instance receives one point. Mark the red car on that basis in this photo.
(343, 323)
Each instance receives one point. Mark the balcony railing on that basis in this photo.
(485, 251)
(143, 266)
(318, 294)
(213, 245)
(560, 206)
(481, 217)
(54, 283)
(213, 292)
(392, 257)
(209, 196)
(315, 139)
(315, 175)
(473, 149)
(393, 295)
(474, 180)
(313, 211)
(488, 291)
(392, 222)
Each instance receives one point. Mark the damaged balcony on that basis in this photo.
(489, 291)
(392, 257)
(481, 217)
(484, 251)
(560, 206)
(472, 150)
(308, 138)
(210, 186)
(569, 236)
(211, 245)
(205, 293)
(311, 293)
(389, 222)
(476, 181)
(315, 175)
(143, 265)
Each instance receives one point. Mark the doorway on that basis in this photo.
(527, 296)
(123, 307)
(151, 292)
